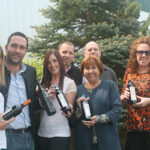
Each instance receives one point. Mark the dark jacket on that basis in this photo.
(108, 74)
(75, 74)
(104, 99)
(30, 82)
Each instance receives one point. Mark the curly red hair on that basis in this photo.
(132, 64)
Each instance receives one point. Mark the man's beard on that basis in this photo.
(10, 60)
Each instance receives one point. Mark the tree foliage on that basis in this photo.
(113, 24)
(80, 21)
(145, 27)
(35, 61)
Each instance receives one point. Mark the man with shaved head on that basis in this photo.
(92, 48)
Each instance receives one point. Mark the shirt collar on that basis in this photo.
(68, 69)
(23, 68)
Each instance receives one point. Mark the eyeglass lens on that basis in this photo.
(140, 52)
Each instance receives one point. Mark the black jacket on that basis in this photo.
(75, 74)
(30, 82)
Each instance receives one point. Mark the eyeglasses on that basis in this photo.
(140, 52)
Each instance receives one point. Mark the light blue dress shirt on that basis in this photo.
(16, 96)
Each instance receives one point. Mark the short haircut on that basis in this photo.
(90, 61)
(91, 42)
(17, 34)
(67, 43)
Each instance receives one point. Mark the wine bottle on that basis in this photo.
(16, 110)
(131, 87)
(47, 104)
(86, 110)
(62, 100)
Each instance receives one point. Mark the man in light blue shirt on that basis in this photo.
(20, 86)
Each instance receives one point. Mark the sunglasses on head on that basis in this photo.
(146, 52)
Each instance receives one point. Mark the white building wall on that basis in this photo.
(19, 15)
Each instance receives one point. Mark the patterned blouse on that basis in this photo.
(138, 118)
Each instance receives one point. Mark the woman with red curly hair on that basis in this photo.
(138, 117)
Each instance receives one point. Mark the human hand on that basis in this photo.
(3, 123)
(126, 95)
(79, 101)
(68, 114)
(51, 91)
(144, 101)
(90, 123)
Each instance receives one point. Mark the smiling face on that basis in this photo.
(53, 65)
(91, 68)
(67, 53)
(91, 73)
(143, 55)
(16, 50)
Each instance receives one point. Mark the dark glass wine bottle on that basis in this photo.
(86, 110)
(47, 104)
(16, 110)
(131, 87)
(62, 100)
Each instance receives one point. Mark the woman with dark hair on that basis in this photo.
(103, 97)
(138, 117)
(54, 131)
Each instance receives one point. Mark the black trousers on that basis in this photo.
(55, 143)
(138, 140)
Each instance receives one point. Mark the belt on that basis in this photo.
(21, 130)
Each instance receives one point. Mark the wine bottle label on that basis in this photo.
(86, 109)
(133, 94)
(62, 100)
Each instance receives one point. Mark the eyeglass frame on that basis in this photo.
(141, 52)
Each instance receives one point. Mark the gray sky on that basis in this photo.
(19, 15)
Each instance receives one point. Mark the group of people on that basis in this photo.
(94, 80)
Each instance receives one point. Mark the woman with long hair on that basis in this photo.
(138, 117)
(3, 123)
(54, 131)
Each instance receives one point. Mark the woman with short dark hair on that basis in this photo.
(100, 133)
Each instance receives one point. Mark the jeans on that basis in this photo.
(20, 141)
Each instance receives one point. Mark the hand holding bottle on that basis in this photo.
(16, 110)
(126, 95)
(80, 100)
(68, 113)
(51, 91)
(142, 101)
(64, 104)
(4, 123)
(85, 107)
(90, 123)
